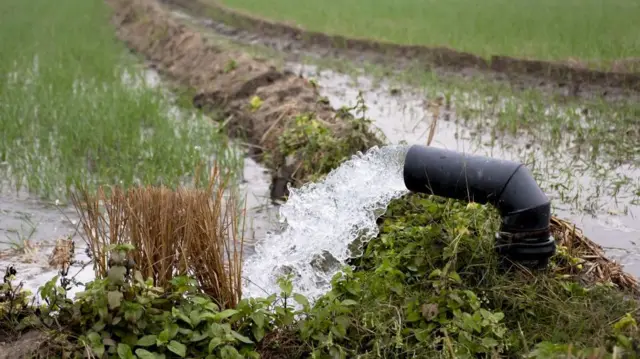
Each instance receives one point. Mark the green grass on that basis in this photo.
(68, 118)
(547, 29)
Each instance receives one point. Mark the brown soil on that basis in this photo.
(229, 80)
(25, 346)
(568, 78)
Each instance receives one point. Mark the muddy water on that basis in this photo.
(28, 231)
(402, 114)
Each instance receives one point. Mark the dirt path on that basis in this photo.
(569, 78)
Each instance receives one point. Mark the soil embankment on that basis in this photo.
(260, 103)
(571, 78)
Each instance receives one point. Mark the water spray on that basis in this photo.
(524, 234)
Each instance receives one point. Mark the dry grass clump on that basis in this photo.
(596, 267)
(187, 231)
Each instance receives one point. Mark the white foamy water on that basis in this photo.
(323, 220)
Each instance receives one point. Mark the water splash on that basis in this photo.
(327, 222)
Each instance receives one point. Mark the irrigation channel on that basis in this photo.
(323, 219)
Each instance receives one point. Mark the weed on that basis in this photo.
(230, 66)
(312, 141)
(22, 238)
(255, 103)
(187, 231)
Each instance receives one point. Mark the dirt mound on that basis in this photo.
(259, 101)
(566, 77)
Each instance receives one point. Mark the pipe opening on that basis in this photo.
(525, 210)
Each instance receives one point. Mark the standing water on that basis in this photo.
(326, 223)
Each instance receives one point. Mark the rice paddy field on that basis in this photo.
(77, 109)
(588, 30)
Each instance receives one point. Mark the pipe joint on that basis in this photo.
(524, 234)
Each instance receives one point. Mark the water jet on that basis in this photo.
(524, 234)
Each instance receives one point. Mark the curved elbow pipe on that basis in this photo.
(508, 186)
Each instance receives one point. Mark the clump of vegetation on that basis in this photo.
(314, 144)
(196, 232)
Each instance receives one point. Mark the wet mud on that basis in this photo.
(569, 78)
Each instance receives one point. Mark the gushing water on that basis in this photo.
(327, 222)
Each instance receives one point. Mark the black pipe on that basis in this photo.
(509, 186)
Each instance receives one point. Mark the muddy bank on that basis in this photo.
(260, 103)
(562, 78)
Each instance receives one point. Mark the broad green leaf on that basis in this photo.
(455, 277)
(115, 299)
(339, 330)
(94, 338)
(147, 341)
(195, 318)
(225, 314)
(258, 332)
(214, 343)
(97, 349)
(198, 336)
(212, 307)
(200, 301)
(137, 275)
(145, 354)
(173, 330)
(301, 299)
(180, 315)
(177, 348)
(422, 335)
(229, 352)
(163, 338)
(258, 318)
(116, 274)
(348, 302)
(124, 351)
(489, 342)
(241, 337)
